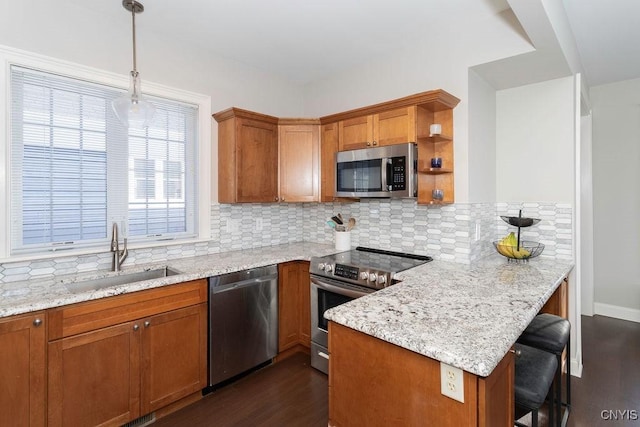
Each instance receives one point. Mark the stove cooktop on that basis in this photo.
(373, 268)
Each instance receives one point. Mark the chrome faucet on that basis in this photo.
(118, 257)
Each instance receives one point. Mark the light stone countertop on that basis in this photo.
(467, 316)
(54, 291)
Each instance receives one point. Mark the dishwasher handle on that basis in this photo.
(242, 284)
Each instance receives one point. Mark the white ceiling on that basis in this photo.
(607, 33)
(304, 41)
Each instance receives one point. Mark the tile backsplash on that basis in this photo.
(461, 232)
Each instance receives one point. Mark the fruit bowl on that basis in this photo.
(527, 250)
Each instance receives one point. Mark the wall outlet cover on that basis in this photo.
(452, 382)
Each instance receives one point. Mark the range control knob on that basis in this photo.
(321, 266)
(373, 277)
(328, 268)
(382, 279)
(364, 276)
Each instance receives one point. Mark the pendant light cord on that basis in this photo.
(133, 20)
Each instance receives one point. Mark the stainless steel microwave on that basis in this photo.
(388, 171)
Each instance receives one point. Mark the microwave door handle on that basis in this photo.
(387, 174)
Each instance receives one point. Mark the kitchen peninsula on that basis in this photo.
(387, 346)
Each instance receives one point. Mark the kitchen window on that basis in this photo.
(74, 169)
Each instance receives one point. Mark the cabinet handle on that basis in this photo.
(375, 143)
(136, 327)
(368, 144)
(518, 353)
(282, 200)
(147, 324)
(276, 199)
(37, 322)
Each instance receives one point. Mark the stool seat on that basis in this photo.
(535, 370)
(547, 332)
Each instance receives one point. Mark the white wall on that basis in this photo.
(535, 142)
(438, 63)
(482, 140)
(616, 198)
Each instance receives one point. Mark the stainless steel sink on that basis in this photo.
(120, 279)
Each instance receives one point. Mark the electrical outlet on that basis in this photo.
(451, 382)
(258, 224)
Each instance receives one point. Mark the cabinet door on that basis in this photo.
(22, 371)
(304, 287)
(395, 126)
(355, 133)
(256, 161)
(329, 148)
(288, 305)
(94, 378)
(174, 356)
(299, 166)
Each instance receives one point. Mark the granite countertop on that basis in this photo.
(55, 291)
(467, 316)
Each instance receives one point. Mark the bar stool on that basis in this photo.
(534, 373)
(552, 333)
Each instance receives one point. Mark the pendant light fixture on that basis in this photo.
(131, 109)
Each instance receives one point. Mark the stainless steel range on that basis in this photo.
(342, 277)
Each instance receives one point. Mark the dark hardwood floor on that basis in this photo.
(611, 373)
(291, 393)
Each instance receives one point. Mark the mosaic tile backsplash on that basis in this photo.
(459, 232)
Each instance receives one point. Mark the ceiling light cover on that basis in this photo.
(132, 109)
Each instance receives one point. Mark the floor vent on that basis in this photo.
(144, 420)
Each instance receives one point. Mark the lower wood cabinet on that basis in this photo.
(403, 387)
(22, 370)
(294, 305)
(114, 373)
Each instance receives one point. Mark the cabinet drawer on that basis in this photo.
(87, 316)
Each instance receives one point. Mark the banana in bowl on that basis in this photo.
(509, 248)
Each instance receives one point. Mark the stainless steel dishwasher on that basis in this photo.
(243, 321)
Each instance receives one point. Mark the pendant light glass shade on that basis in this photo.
(131, 109)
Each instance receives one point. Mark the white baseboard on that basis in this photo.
(617, 312)
(576, 368)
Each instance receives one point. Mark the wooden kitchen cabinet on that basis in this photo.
(22, 370)
(247, 156)
(403, 387)
(94, 378)
(328, 150)
(294, 306)
(173, 345)
(299, 160)
(394, 126)
(115, 359)
(430, 146)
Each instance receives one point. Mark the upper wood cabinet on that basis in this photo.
(386, 128)
(265, 159)
(430, 146)
(299, 160)
(328, 150)
(22, 370)
(403, 120)
(247, 156)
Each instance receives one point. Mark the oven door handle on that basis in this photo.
(338, 289)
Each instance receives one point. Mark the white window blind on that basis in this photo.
(75, 169)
